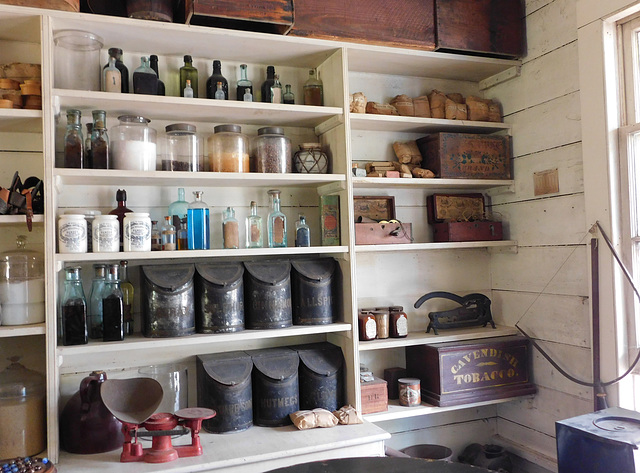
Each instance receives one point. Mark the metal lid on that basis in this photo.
(221, 274)
(227, 128)
(271, 130)
(171, 276)
(324, 359)
(270, 273)
(315, 269)
(229, 368)
(180, 128)
(276, 363)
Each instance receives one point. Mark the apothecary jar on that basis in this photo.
(310, 159)
(133, 144)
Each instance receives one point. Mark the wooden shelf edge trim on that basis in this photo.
(7, 331)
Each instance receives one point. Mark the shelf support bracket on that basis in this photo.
(510, 189)
(501, 77)
(329, 124)
(332, 188)
(513, 249)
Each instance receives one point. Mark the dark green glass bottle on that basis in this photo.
(188, 72)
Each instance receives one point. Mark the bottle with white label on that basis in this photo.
(398, 323)
(137, 232)
(72, 234)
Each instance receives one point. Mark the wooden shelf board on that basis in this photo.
(20, 120)
(435, 184)
(7, 331)
(449, 335)
(392, 123)
(435, 246)
(19, 219)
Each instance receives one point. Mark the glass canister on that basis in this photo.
(228, 149)
(72, 234)
(182, 148)
(137, 232)
(77, 60)
(133, 144)
(310, 159)
(21, 285)
(272, 151)
(22, 411)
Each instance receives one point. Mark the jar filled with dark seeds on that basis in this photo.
(272, 151)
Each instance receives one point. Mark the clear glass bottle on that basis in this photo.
(219, 95)
(74, 141)
(276, 222)
(288, 96)
(198, 229)
(303, 235)
(145, 79)
(248, 96)
(188, 91)
(87, 146)
(116, 53)
(188, 78)
(276, 90)
(95, 301)
(313, 90)
(168, 233)
(156, 238)
(266, 85)
(127, 297)
(213, 80)
(153, 59)
(73, 307)
(243, 84)
(178, 208)
(112, 307)
(111, 77)
(183, 239)
(230, 229)
(120, 210)
(254, 227)
(99, 140)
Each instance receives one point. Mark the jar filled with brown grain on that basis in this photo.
(272, 151)
(228, 149)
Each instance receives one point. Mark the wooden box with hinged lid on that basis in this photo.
(375, 221)
(461, 217)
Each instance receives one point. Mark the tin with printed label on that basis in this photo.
(409, 391)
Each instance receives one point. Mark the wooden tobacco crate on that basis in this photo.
(369, 211)
(457, 373)
(374, 396)
(467, 231)
(461, 217)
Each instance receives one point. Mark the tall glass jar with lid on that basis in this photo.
(228, 149)
(133, 144)
(272, 151)
(182, 148)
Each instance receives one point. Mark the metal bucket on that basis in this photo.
(268, 295)
(321, 376)
(313, 291)
(220, 298)
(429, 452)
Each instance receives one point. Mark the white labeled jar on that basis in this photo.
(106, 234)
(72, 234)
(136, 232)
(89, 215)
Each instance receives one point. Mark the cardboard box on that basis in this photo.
(374, 396)
(383, 233)
(467, 231)
(330, 220)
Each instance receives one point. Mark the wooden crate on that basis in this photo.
(66, 5)
(467, 231)
(488, 27)
(457, 373)
(383, 233)
(375, 207)
(454, 207)
(402, 23)
(466, 155)
(374, 396)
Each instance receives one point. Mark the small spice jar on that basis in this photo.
(272, 151)
(133, 144)
(182, 148)
(72, 234)
(137, 232)
(382, 321)
(398, 323)
(106, 234)
(228, 149)
(409, 391)
(310, 159)
(367, 329)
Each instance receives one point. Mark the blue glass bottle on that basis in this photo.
(198, 228)
(95, 301)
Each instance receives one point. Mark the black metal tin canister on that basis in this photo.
(321, 375)
(268, 294)
(313, 291)
(219, 298)
(224, 385)
(168, 301)
(275, 386)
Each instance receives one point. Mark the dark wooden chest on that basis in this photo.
(473, 371)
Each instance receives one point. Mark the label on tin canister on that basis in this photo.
(409, 391)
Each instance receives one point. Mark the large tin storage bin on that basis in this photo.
(321, 375)
(268, 294)
(224, 385)
(275, 386)
(219, 298)
(168, 300)
(312, 287)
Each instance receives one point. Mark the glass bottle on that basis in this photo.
(168, 233)
(276, 90)
(248, 96)
(187, 92)
(216, 77)
(156, 238)
(116, 53)
(111, 77)
(183, 240)
(198, 229)
(178, 208)
(154, 66)
(73, 141)
(95, 301)
(243, 84)
(188, 77)
(120, 210)
(127, 297)
(87, 146)
(313, 90)
(112, 307)
(288, 96)
(74, 309)
(266, 85)
(276, 222)
(145, 79)
(398, 325)
(254, 227)
(303, 236)
(99, 141)
(219, 95)
(230, 230)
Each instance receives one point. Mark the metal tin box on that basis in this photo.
(219, 298)
(320, 376)
(168, 301)
(268, 294)
(224, 385)
(312, 285)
